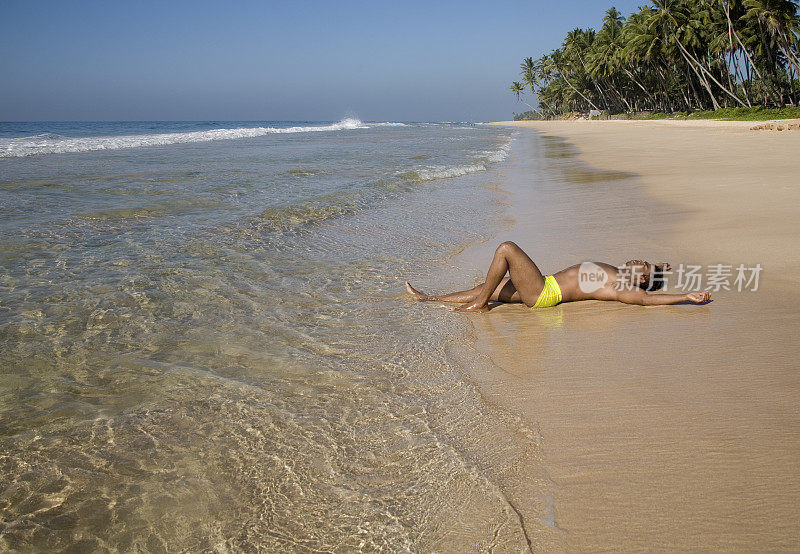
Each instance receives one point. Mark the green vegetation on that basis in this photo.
(530, 114)
(662, 115)
(756, 113)
(721, 59)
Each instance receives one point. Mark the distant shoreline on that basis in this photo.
(787, 124)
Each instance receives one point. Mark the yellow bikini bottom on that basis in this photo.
(551, 293)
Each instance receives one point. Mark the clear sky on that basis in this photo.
(291, 60)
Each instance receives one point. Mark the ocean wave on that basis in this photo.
(498, 155)
(481, 163)
(442, 172)
(49, 143)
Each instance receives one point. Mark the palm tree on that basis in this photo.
(517, 89)
(608, 57)
(684, 25)
(780, 21)
(566, 69)
(531, 74)
(731, 7)
(577, 45)
(674, 54)
(644, 48)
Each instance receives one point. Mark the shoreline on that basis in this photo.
(667, 427)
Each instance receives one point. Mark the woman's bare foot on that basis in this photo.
(472, 307)
(415, 293)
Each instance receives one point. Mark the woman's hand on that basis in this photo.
(698, 297)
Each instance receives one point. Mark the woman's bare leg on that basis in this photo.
(523, 273)
(460, 296)
(505, 292)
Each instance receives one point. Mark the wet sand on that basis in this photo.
(669, 427)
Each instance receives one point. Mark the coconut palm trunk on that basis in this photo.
(699, 65)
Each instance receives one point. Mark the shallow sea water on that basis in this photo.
(206, 344)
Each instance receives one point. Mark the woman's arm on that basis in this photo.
(642, 298)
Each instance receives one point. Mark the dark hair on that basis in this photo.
(656, 281)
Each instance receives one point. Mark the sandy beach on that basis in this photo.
(659, 427)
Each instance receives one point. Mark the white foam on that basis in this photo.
(498, 155)
(486, 157)
(55, 144)
(445, 172)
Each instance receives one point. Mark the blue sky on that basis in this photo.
(293, 60)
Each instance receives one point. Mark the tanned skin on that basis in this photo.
(525, 282)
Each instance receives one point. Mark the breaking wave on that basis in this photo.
(49, 143)
(431, 172)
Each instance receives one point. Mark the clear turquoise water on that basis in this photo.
(205, 342)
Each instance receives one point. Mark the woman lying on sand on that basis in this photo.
(629, 283)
